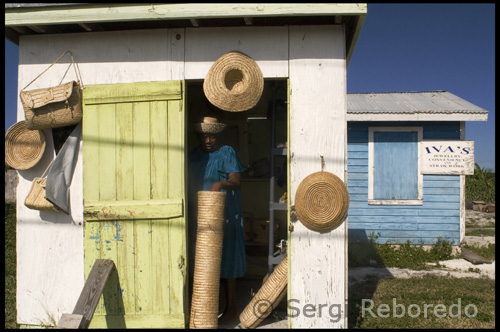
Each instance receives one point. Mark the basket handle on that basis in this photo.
(78, 74)
(46, 170)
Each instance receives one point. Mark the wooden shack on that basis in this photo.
(407, 162)
(142, 67)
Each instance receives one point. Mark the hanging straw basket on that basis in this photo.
(267, 298)
(36, 199)
(56, 106)
(207, 266)
(234, 83)
(321, 201)
(23, 147)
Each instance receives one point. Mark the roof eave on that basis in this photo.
(19, 17)
(416, 116)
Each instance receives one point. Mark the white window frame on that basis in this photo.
(371, 200)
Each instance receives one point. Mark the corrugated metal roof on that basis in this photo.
(428, 102)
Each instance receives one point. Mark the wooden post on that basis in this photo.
(318, 138)
(87, 302)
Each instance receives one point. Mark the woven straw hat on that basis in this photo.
(209, 125)
(23, 147)
(321, 201)
(234, 83)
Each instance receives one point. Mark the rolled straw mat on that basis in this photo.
(206, 283)
(321, 201)
(267, 298)
(234, 83)
(23, 147)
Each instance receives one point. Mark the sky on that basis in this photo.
(430, 47)
(402, 48)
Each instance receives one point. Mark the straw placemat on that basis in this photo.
(321, 201)
(206, 283)
(23, 147)
(234, 83)
(267, 298)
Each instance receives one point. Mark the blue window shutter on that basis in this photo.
(395, 173)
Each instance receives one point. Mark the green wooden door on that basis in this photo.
(134, 195)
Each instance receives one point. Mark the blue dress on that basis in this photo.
(205, 169)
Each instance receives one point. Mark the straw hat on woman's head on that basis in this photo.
(209, 125)
(234, 83)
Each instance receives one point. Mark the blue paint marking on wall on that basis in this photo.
(438, 216)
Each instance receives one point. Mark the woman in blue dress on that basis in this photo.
(213, 167)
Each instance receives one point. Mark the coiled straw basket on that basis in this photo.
(23, 147)
(321, 201)
(206, 283)
(267, 298)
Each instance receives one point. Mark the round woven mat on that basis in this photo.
(321, 201)
(23, 147)
(234, 83)
(206, 283)
(267, 298)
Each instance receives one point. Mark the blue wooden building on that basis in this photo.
(389, 196)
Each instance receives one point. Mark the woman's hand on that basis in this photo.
(233, 182)
(216, 186)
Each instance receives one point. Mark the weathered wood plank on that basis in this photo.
(474, 258)
(70, 321)
(92, 290)
(136, 209)
(130, 92)
(177, 297)
(146, 12)
(270, 53)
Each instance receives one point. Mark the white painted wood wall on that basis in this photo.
(50, 245)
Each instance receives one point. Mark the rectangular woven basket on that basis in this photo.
(53, 107)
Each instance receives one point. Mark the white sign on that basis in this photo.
(447, 157)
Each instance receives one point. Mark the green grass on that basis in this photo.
(10, 266)
(481, 232)
(407, 255)
(423, 295)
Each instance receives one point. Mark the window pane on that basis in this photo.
(395, 173)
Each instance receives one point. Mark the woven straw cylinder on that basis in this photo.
(267, 298)
(23, 147)
(322, 201)
(206, 283)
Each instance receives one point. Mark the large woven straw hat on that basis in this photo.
(209, 125)
(234, 83)
(23, 147)
(321, 201)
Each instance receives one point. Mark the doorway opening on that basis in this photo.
(259, 138)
